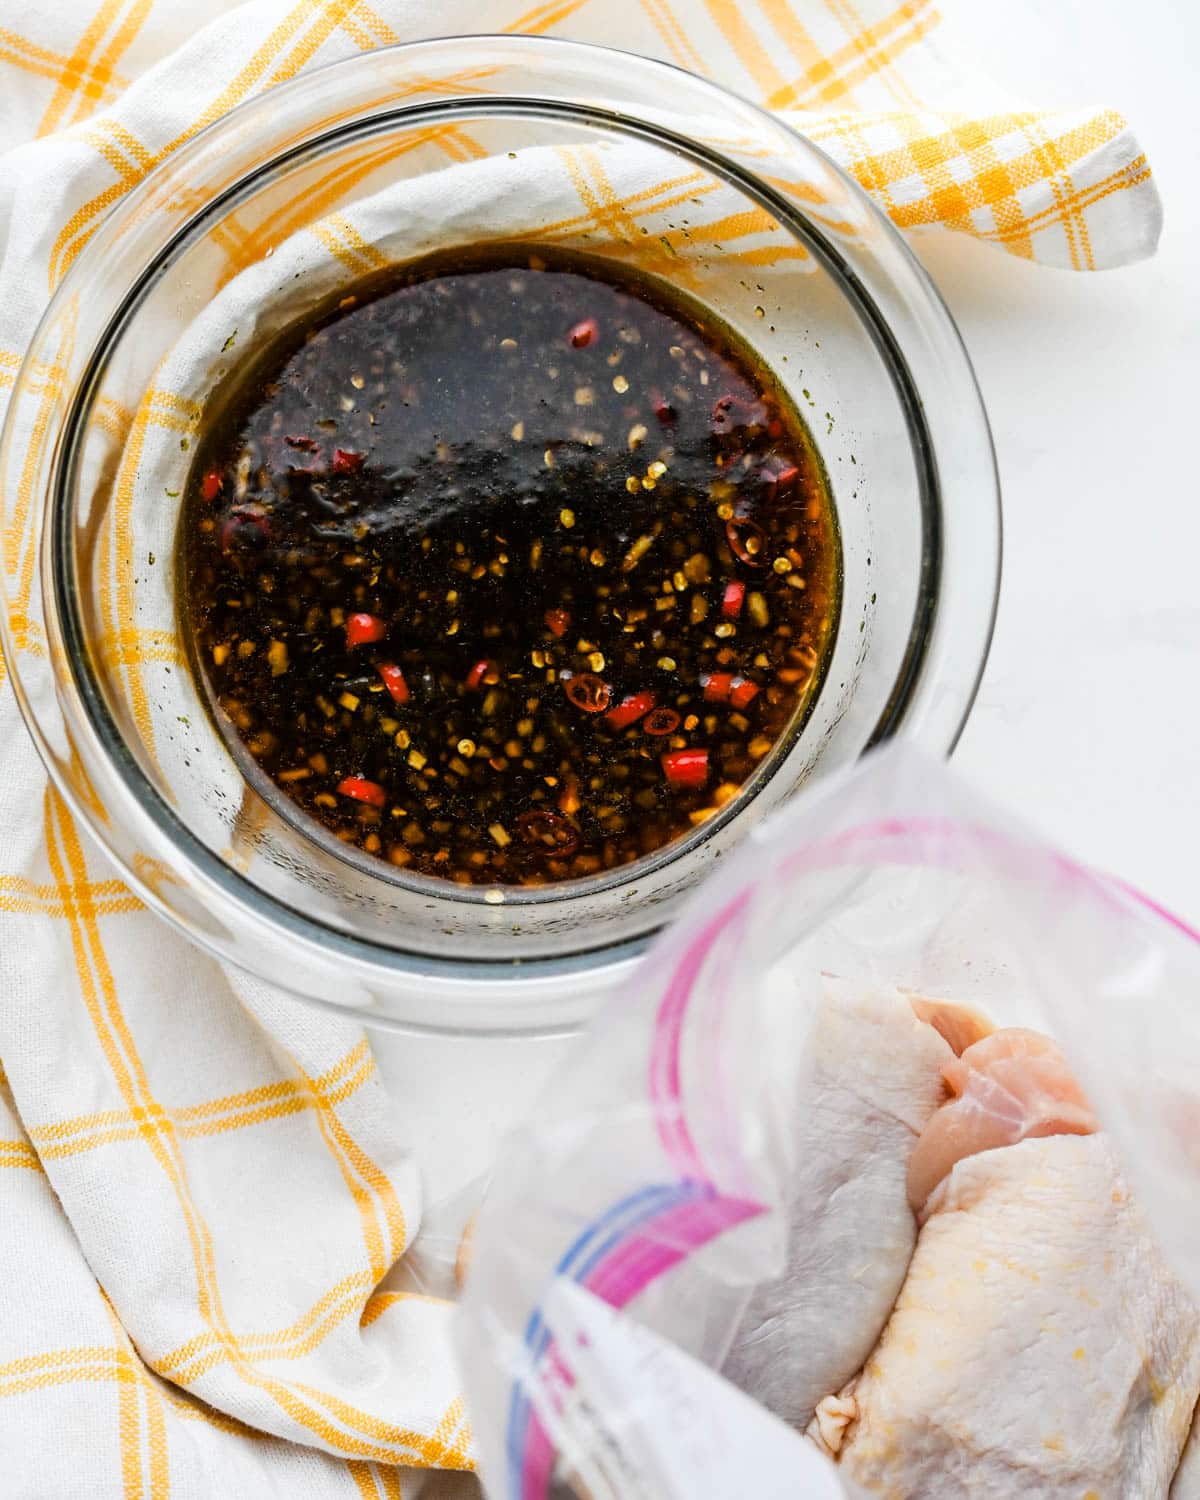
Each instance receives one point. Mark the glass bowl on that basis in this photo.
(382, 158)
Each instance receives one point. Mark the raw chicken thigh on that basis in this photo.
(960, 1025)
(1007, 1087)
(1040, 1345)
(874, 1081)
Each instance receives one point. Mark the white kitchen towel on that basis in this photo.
(202, 1184)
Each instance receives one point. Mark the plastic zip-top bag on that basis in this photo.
(882, 1174)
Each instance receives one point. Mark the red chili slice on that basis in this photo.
(305, 444)
(731, 413)
(630, 710)
(363, 790)
(727, 687)
(661, 721)
(244, 529)
(346, 462)
(663, 409)
(747, 541)
(778, 480)
(549, 832)
(588, 692)
(733, 599)
(210, 485)
(362, 629)
(686, 770)
(558, 621)
(474, 678)
(722, 414)
(393, 680)
(584, 333)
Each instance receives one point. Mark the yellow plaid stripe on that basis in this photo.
(389, 1483)
(99, 995)
(369, 1187)
(133, 1387)
(98, 84)
(381, 1301)
(10, 363)
(543, 17)
(446, 1448)
(872, 51)
(1130, 175)
(44, 383)
(352, 1431)
(746, 46)
(76, 231)
(201, 1353)
(85, 79)
(20, 894)
(121, 644)
(366, 29)
(307, 25)
(933, 143)
(100, 1363)
(621, 218)
(364, 1477)
(19, 1154)
(328, 19)
(673, 35)
(375, 1481)
(62, 1367)
(259, 1106)
(351, 1295)
(313, 210)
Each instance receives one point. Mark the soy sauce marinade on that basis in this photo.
(506, 572)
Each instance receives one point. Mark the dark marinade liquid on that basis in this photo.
(507, 571)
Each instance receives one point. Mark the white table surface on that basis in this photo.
(1089, 715)
(1088, 720)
